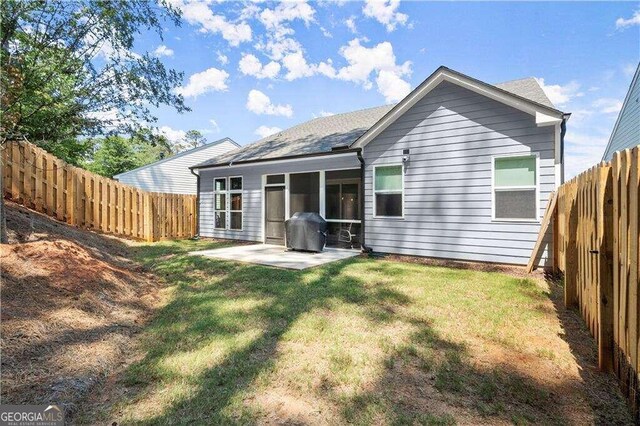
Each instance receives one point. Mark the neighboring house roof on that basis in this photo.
(626, 130)
(180, 154)
(325, 134)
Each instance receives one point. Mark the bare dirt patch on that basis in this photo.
(71, 305)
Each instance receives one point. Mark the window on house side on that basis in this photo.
(515, 188)
(388, 191)
(220, 203)
(235, 203)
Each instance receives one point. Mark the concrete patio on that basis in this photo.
(277, 256)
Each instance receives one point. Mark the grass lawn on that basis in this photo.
(362, 341)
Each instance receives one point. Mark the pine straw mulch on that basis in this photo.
(72, 303)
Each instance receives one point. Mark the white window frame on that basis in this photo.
(241, 211)
(375, 192)
(226, 201)
(534, 155)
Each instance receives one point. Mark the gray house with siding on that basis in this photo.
(626, 131)
(459, 169)
(172, 175)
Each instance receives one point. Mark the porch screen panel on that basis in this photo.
(304, 192)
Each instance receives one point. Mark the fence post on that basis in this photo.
(605, 268)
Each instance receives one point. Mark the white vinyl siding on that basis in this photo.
(172, 175)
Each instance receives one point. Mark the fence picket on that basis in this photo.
(41, 181)
(598, 245)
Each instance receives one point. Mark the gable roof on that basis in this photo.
(321, 134)
(610, 149)
(178, 155)
(544, 114)
(355, 129)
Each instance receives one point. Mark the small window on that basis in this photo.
(515, 188)
(275, 180)
(236, 183)
(388, 191)
(235, 203)
(220, 203)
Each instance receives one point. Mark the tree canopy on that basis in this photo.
(69, 71)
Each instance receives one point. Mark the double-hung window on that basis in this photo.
(388, 191)
(220, 202)
(235, 203)
(227, 194)
(515, 188)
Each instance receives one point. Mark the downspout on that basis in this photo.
(197, 175)
(365, 249)
(563, 130)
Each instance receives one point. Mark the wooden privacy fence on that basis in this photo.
(40, 181)
(596, 241)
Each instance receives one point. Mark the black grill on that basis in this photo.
(306, 231)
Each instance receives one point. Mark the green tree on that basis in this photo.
(194, 139)
(113, 155)
(68, 70)
(150, 146)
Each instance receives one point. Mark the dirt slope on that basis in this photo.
(71, 303)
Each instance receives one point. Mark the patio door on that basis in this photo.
(274, 214)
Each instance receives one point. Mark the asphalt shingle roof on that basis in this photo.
(527, 88)
(341, 130)
(318, 135)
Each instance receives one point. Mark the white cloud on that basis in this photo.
(273, 19)
(351, 24)
(622, 23)
(298, 67)
(210, 80)
(583, 151)
(163, 50)
(174, 136)
(198, 12)
(250, 65)
(362, 62)
(558, 94)
(326, 114)
(391, 86)
(278, 48)
(380, 59)
(214, 126)
(608, 105)
(385, 12)
(259, 103)
(279, 41)
(629, 70)
(222, 58)
(326, 32)
(264, 131)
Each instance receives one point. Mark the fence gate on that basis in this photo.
(596, 239)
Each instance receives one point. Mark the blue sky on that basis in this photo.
(253, 68)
